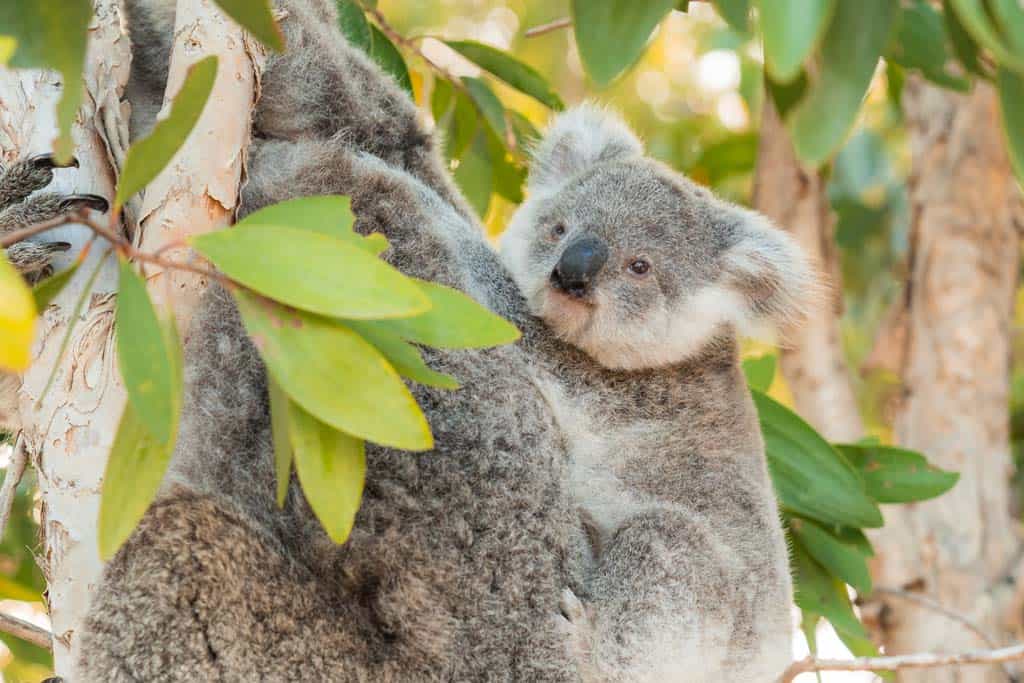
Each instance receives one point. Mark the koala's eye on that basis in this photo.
(558, 231)
(639, 266)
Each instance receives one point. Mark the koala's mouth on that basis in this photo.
(568, 315)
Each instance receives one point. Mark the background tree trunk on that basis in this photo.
(70, 431)
(956, 375)
(812, 357)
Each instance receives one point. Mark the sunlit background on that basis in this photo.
(695, 97)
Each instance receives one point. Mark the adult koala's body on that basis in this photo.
(455, 564)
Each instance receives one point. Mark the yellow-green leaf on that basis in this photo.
(332, 469)
(17, 318)
(51, 34)
(454, 322)
(335, 374)
(1011, 100)
(520, 76)
(256, 18)
(403, 356)
(47, 290)
(149, 156)
(134, 471)
(312, 271)
(282, 442)
(329, 215)
(144, 358)
(7, 47)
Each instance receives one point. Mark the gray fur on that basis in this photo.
(687, 578)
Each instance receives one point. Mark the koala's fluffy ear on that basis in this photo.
(767, 274)
(576, 139)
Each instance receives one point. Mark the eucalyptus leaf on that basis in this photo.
(332, 470)
(390, 59)
(334, 374)
(279, 428)
(520, 76)
(144, 357)
(255, 17)
(842, 559)
(47, 290)
(354, 25)
(1011, 100)
(896, 475)
(611, 35)
(791, 31)
(17, 318)
(312, 271)
(475, 174)
(734, 12)
(150, 155)
(487, 103)
(760, 371)
(403, 356)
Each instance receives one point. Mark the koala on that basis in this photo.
(564, 528)
(643, 280)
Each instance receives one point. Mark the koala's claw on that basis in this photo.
(85, 201)
(48, 161)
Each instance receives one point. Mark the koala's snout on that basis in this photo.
(580, 263)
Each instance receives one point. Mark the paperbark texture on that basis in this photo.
(811, 356)
(958, 304)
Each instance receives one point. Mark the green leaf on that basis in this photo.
(791, 30)
(475, 174)
(760, 371)
(332, 470)
(896, 475)
(734, 12)
(812, 478)
(390, 59)
(487, 103)
(354, 26)
(964, 46)
(461, 127)
(329, 215)
(51, 34)
(520, 76)
(856, 37)
(403, 356)
(507, 175)
(818, 592)
(612, 34)
(1011, 100)
(135, 468)
(47, 290)
(149, 156)
(256, 18)
(844, 560)
(921, 43)
(312, 271)
(144, 358)
(279, 421)
(454, 322)
(976, 20)
(311, 357)
(785, 96)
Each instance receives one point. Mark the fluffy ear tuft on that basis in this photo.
(578, 138)
(769, 273)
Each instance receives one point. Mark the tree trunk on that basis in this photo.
(956, 376)
(70, 429)
(812, 357)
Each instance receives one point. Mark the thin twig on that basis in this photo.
(12, 477)
(28, 632)
(897, 662)
(16, 236)
(564, 22)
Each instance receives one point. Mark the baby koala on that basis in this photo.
(644, 280)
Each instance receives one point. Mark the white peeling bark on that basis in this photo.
(956, 373)
(198, 191)
(71, 430)
(812, 356)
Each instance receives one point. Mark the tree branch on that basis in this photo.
(30, 633)
(15, 470)
(895, 663)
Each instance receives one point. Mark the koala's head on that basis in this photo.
(633, 263)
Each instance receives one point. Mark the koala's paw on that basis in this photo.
(20, 208)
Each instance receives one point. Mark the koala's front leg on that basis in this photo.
(21, 206)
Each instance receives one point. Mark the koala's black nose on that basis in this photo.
(580, 262)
